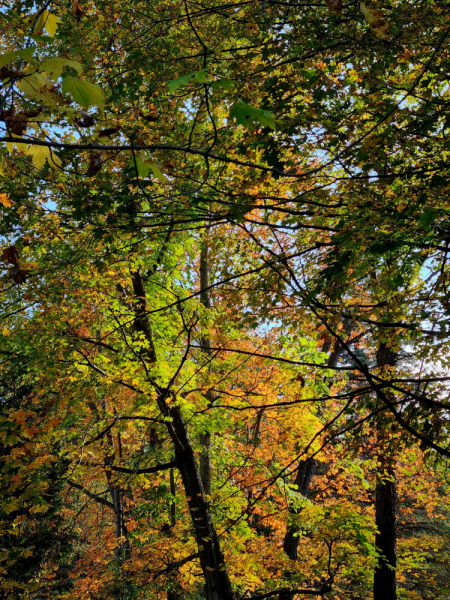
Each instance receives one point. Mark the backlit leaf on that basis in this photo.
(199, 76)
(51, 24)
(9, 57)
(54, 66)
(374, 18)
(226, 84)
(249, 116)
(85, 94)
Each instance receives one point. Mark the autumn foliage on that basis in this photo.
(224, 300)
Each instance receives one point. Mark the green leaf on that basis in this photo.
(247, 115)
(85, 94)
(157, 173)
(142, 168)
(36, 87)
(226, 84)
(199, 76)
(54, 66)
(9, 57)
(427, 217)
(41, 38)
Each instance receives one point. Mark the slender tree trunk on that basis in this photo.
(218, 586)
(303, 479)
(217, 582)
(173, 506)
(384, 583)
(174, 592)
(205, 342)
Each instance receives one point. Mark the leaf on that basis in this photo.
(199, 76)
(40, 154)
(142, 168)
(54, 66)
(41, 38)
(85, 94)
(95, 162)
(157, 173)
(108, 132)
(427, 218)
(39, 87)
(226, 84)
(174, 84)
(5, 200)
(375, 21)
(334, 5)
(247, 115)
(16, 123)
(51, 24)
(9, 57)
(39, 24)
(77, 11)
(10, 255)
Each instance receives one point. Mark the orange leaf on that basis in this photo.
(5, 200)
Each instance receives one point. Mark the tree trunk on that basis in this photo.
(174, 592)
(303, 481)
(217, 582)
(384, 582)
(205, 342)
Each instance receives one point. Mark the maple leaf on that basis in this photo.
(374, 18)
(78, 11)
(5, 200)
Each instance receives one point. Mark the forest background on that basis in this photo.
(225, 303)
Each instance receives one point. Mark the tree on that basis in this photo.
(216, 216)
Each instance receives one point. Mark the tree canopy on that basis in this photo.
(225, 301)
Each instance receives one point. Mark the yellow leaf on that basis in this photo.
(6, 201)
(375, 21)
(40, 154)
(54, 66)
(52, 24)
(45, 19)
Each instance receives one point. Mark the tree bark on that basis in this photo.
(303, 479)
(205, 342)
(217, 582)
(384, 582)
(174, 592)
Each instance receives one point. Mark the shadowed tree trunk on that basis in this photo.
(305, 473)
(384, 583)
(217, 582)
(291, 540)
(174, 592)
(205, 342)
